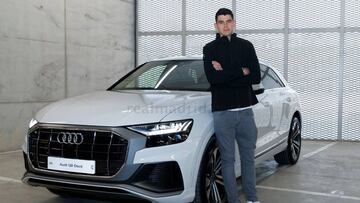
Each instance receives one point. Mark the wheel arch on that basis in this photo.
(298, 115)
(208, 142)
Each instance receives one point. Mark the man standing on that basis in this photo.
(231, 67)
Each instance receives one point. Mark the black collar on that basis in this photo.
(233, 35)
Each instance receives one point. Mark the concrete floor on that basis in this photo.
(327, 172)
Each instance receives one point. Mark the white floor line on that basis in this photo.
(309, 192)
(319, 150)
(6, 179)
(10, 152)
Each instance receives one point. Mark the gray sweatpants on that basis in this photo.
(240, 126)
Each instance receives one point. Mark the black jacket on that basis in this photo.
(229, 87)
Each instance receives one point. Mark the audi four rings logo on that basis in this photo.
(70, 138)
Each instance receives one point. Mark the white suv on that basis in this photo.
(150, 136)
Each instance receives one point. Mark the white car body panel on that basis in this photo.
(106, 108)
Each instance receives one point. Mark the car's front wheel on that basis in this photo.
(292, 153)
(210, 186)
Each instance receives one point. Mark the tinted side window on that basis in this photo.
(269, 78)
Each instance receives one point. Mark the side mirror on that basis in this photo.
(258, 88)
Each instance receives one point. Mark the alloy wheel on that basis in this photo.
(295, 142)
(214, 184)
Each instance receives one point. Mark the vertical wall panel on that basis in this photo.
(31, 51)
(159, 15)
(269, 48)
(195, 43)
(100, 44)
(314, 13)
(153, 47)
(50, 50)
(351, 106)
(200, 14)
(260, 14)
(313, 72)
(352, 13)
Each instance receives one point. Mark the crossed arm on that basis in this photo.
(216, 75)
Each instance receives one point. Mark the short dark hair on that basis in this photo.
(224, 11)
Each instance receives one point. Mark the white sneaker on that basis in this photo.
(253, 202)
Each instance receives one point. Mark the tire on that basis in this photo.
(209, 183)
(292, 153)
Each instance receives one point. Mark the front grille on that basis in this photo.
(106, 148)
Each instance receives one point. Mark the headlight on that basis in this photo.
(167, 133)
(24, 147)
(32, 123)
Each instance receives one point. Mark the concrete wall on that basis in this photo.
(50, 50)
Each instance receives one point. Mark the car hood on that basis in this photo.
(110, 108)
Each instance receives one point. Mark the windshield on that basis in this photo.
(166, 75)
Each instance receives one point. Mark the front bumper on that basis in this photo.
(138, 187)
(160, 181)
(116, 191)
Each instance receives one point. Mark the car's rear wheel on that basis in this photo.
(210, 186)
(292, 153)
